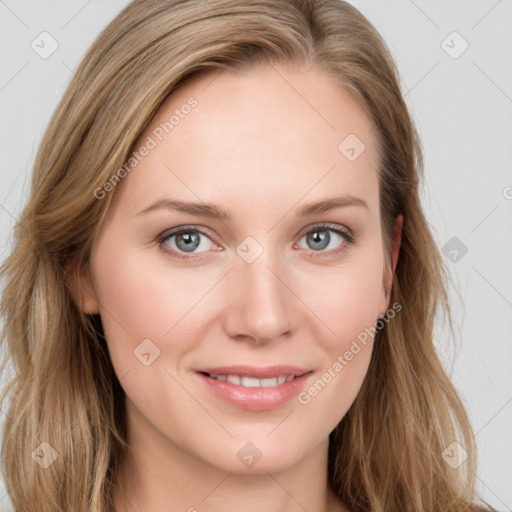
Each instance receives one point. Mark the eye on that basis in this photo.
(187, 243)
(183, 242)
(320, 238)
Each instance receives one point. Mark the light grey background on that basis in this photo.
(463, 109)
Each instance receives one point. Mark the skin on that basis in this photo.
(261, 145)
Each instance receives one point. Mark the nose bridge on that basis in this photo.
(261, 305)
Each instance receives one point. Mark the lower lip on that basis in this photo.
(255, 399)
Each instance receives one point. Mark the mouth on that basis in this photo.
(255, 389)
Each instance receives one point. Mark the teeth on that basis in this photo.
(251, 382)
(234, 379)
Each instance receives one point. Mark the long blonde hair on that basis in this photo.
(387, 452)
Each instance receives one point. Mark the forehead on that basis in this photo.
(263, 132)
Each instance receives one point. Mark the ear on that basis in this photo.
(388, 280)
(81, 287)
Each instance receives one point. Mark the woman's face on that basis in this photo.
(269, 283)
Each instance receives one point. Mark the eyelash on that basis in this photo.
(349, 239)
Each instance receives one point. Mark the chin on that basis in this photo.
(258, 455)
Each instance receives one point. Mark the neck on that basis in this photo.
(154, 482)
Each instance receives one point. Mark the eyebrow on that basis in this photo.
(215, 212)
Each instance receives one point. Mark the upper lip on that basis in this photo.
(256, 372)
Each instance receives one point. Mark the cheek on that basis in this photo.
(140, 299)
(348, 306)
(346, 299)
(326, 400)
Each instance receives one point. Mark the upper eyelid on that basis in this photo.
(324, 225)
(168, 233)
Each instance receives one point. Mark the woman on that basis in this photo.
(223, 288)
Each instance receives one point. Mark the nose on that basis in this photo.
(260, 304)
